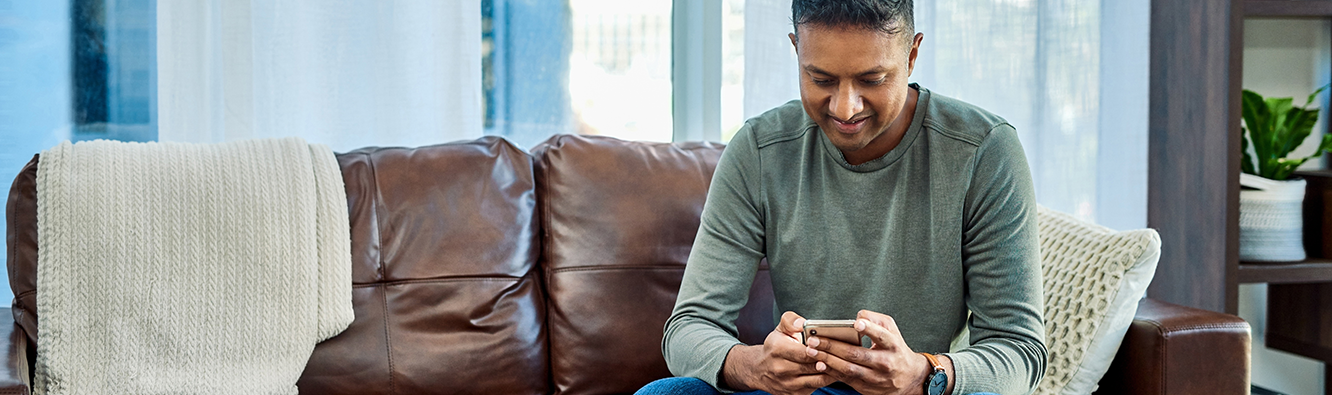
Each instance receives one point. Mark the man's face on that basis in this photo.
(853, 83)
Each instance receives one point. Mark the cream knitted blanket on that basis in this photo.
(169, 268)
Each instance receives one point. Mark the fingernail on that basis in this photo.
(800, 322)
(820, 366)
(860, 325)
(813, 342)
(811, 352)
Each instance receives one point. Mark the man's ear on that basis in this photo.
(915, 50)
(793, 41)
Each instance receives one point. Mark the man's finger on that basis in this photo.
(883, 320)
(881, 336)
(792, 351)
(789, 368)
(841, 369)
(823, 343)
(882, 330)
(811, 381)
(841, 350)
(791, 323)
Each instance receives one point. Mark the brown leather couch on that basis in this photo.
(483, 269)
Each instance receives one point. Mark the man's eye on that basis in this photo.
(822, 82)
(873, 82)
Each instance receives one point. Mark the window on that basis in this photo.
(608, 67)
(581, 66)
(75, 70)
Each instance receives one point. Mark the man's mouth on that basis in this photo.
(849, 127)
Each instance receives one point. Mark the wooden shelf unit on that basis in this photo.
(1287, 8)
(1315, 270)
(1196, 75)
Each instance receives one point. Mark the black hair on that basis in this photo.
(888, 16)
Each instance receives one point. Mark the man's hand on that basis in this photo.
(779, 366)
(889, 367)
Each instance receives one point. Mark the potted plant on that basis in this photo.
(1271, 219)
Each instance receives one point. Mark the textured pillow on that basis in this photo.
(1093, 279)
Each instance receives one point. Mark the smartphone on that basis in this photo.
(840, 330)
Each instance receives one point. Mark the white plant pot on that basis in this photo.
(1271, 220)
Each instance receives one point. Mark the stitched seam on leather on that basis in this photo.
(496, 279)
(1197, 328)
(1163, 329)
(379, 235)
(388, 343)
(374, 215)
(615, 268)
(543, 193)
(622, 268)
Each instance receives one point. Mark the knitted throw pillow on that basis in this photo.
(1093, 279)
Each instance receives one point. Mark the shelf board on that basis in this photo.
(1312, 270)
(1288, 8)
(1299, 347)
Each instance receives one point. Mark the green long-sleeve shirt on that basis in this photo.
(941, 226)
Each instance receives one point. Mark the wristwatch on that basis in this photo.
(937, 382)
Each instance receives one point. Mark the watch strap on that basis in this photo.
(934, 361)
(936, 383)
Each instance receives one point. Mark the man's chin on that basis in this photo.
(847, 146)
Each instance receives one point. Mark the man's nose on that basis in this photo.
(846, 103)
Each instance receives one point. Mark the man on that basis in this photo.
(871, 199)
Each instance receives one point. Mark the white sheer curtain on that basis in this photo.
(1070, 75)
(347, 73)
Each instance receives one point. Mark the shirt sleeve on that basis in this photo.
(721, 267)
(1001, 259)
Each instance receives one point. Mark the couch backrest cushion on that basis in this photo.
(446, 298)
(618, 221)
(21, 244)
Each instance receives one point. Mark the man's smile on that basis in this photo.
(849, 127)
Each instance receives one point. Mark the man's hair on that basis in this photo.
(888, 16)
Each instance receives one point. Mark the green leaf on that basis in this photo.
(1285, 168)
(1325, 145)
(1299, 124)
(1277, 134)
(1268, 168)
(1257, 118)
(1246, 163)
(1314, 95)
(1274, 127)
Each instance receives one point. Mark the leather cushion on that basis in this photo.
(619, 219)
(446, 298)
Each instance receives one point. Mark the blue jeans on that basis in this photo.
(693, 386)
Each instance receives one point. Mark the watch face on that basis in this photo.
(938, 383)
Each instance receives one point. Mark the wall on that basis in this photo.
(1285, 58)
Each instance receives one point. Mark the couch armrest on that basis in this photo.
(1173, 349)
(14, 372)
